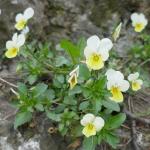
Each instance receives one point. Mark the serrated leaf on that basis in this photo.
(31, 79)
(112, 140)
(60, 61)
(69, 100)
(39, 89)
(22, 88)
(97, 104)
(84, 105)
(89, 143)
(50, 94)
(60, 78)
(84, 72)
(111, 105)
(71, 49)
(115, 121)
(53, 116)
(39, 107)
(75, 90)
(22, 118)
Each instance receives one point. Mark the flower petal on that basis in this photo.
(133, 77)
(25, 30)
(104, 54)
(114, 75)
(93, 42)
(98, 123)
(105, 45)
(139, 81)
(10, 44)
(19, 17)
(134, 18)
(88, 118)
(124, 85)
(28, 13)
(20, 40)
(11, 53)
(89, 130)
(88, 51)
(15, 37)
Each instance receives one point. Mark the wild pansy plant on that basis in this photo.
(135, 81)
(91, 124)
(139, 21)
(22, 19)
(97, 52)
(14, 45)
(71, 84)
(116, 84)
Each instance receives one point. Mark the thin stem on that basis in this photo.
(9, 83)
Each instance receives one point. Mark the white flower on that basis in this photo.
(14, 45)
(116, 33)
(21, 19)
(73, 77)
(25, 31)
(91, 124)
(97, 52)
(116, 84)
(135, 81)
(138, 21)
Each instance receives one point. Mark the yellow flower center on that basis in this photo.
(139, 27)
(12, 52)
(117, 95)
(136, 86)
(73, 80)
(20, 24)
(89, 130)
(95, 61)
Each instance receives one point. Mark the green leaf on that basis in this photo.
(50, 94)
(111, 105)
(89, 143)
(76, 130)
(71, 49)
(84, 105)
(39, 107)
(99, 138)
(69, 100)
(75, 90)
(112, 140)
(60, 78)
(31, 79)
(97, 104)
(53, 116)
(81, 45)
(101, 83)
(39, 89)
(22, 118)
(22, 88)
(115, 121)
(84, 72)
(61, 60)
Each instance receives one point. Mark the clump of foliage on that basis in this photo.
(71, 84)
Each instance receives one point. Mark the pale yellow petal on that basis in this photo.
(136, 86)
(89, 130)
(117, 95)
(11, 53)
(95, 61)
